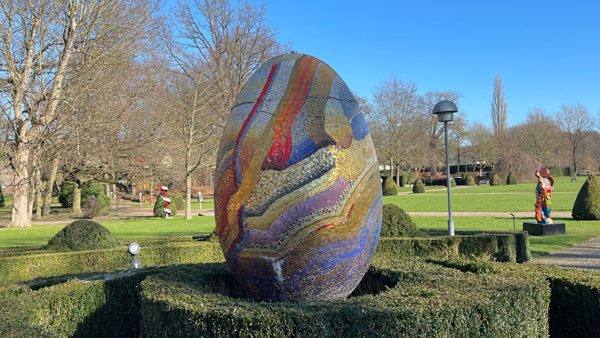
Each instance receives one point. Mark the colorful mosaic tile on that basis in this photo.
(298, 196)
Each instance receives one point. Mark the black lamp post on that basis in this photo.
(445, 113)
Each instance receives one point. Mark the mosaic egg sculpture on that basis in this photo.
(298, 197)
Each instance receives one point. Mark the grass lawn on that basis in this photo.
(577, 231)
(132, 228)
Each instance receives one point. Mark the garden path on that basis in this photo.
(584, 255)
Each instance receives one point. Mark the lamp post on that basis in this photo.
(445, 113)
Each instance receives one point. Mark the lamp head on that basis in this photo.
(133, 249)
(445, 111)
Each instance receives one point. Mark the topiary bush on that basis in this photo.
(452, 182)
(389, 187)
(65, 198)
(469, 180)
(2, 203)
(159, 206)
(178, 200)
(396, 223)
(511, 179)
(418, 187)
(83, 235)
(587, 203)
(94, 207)
(495, 179)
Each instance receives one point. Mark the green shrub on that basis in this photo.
(159, 206)
(418, 187)
(83, 235)
(511, 179)
(396, 223)
(452, 182)
(499, 246)
(65, 198)
(418, 300)
(494, 179)
(389, 187)
(587, 203)
(55, 190)
(94, 207)
(23, 268)
(469, 180)
(574, 309)
(173, 205)
(2, 203)
(178, 199)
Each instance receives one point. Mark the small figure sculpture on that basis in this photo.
(543, 192)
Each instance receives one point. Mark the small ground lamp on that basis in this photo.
(445, 113)
(133, 250)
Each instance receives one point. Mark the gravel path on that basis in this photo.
(584, 255)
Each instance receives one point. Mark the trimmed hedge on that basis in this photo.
(423, 301)
(495, 180)
(575, 294)
(397, 223)
(511, 179)
(23, 268)
(418, 187)
(389, 188)
(587, 203)
(469, 180)
(499, 246)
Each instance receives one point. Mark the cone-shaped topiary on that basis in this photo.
(495, 179)
(418, 187)
(159, 206)
(173, 204)
(178, 200)
(452, 182)
(83, 235)
(389, 187)
(469, 180)
(396, 223)
(511, 179)
(587, 203)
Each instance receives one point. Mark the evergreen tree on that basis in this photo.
(418, 187)
(587, 203)
(511, 179)
(389, 187)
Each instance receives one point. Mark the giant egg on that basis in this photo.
(297, 191)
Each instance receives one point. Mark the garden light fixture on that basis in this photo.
(133, 250)
(445, 113)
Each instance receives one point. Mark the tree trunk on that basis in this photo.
(188, 195)
(50, 187)
(574, 164)
(38, 194)
(107, 190)
(151, 188)
(76, 209)
(33, 191)
(391, 168)
(19, 217)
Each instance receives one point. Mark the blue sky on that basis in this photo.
(547, 52)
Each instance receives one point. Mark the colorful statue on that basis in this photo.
(543, 193)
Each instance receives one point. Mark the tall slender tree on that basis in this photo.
(499, 110)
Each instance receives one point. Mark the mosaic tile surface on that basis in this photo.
(298, 196)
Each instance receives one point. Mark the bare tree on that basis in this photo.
(398, 110)
(499, 111)
(435, 130)
(41, 42)
(481, 142)
(214, 49)
(534, 136)
(576, 125)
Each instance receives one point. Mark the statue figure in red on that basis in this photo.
(543, 192)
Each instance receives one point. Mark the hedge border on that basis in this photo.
(24, 268)
(575, 293)
(501, 246)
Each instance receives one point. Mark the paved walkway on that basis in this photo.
(585, 255)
